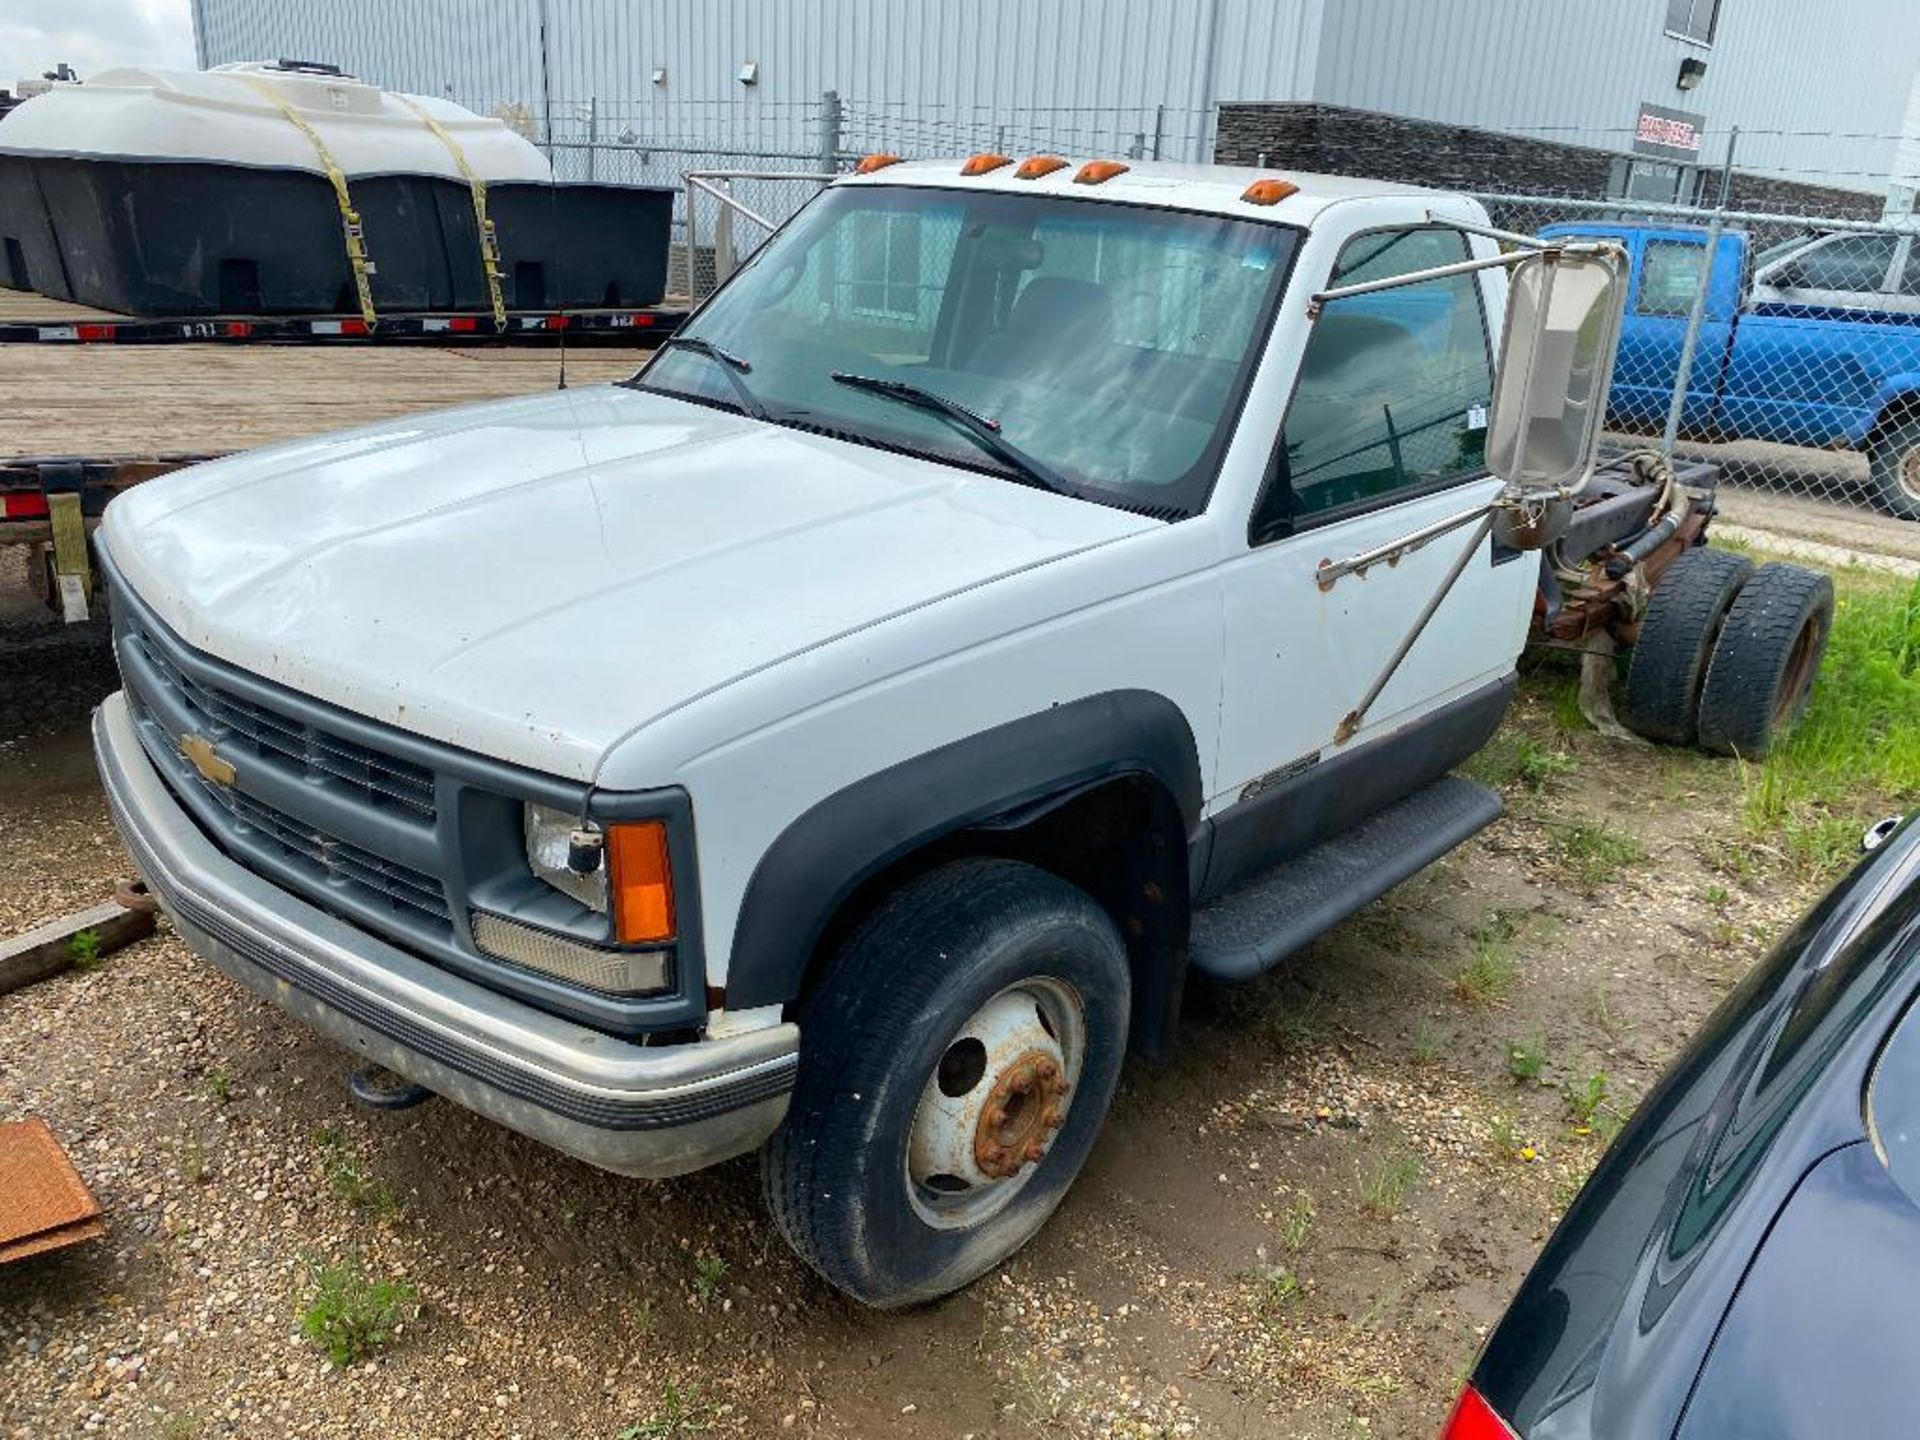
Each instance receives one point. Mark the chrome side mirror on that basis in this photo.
(1556, 364)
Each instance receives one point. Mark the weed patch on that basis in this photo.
(352, 1317)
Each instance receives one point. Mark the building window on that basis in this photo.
(1693, 20)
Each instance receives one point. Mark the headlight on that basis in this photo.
(632, 880)
(549, 841)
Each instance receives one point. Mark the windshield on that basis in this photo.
(1108, 344)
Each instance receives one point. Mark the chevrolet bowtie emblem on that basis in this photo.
(213, 767)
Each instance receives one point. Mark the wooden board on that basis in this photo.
(111, 400)
(49, 948)
(24, 307)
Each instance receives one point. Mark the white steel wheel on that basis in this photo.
(1000, 1092)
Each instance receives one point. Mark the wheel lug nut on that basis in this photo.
(1036, 1150)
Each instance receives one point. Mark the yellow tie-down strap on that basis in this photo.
(357, 258)
(489, 238)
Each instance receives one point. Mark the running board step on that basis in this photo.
(1258, 924)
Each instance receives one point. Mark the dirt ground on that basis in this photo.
(1299, 1226)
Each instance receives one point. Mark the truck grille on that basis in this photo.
(382, 780)
(329, 859)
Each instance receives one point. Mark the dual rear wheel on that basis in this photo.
(1727, 652)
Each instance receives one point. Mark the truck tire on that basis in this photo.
(956, 1062)
(1763, 666)
(1670, 658)
(1893, 462)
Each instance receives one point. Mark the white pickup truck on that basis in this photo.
(1020, 585)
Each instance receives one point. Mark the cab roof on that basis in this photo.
(1213, 188)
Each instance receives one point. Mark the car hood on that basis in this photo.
(535, 579)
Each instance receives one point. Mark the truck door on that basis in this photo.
(1666, 276)
(1385, 433)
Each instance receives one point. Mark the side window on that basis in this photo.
(1394, 386)
(1670, 277)
(1846, 262)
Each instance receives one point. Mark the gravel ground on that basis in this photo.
(1300, 1226)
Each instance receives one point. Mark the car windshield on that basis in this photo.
(1107, 345)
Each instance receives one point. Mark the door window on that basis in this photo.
(1393, 390)
(1846, 262)
(1670, 277)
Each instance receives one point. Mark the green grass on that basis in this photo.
(1584, 1100)
(83, 949)
(352, 1317)
(1525, 1060)
(1491, 971)
(1428, 1043)
(1276, 1292)
(709, 1273)
(1511, 759)
(1504, 1131)
(1593, 853)
(681, 1411)
(349, 1179)
(218, 1085)
(1855, 755)
(1386, 1181)
(1296, 1223)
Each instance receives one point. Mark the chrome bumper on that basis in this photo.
(638, 1110)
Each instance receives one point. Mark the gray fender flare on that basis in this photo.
(823, 857)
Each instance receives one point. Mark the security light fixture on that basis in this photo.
(1692, 71)
(659, 74)
(749, 73)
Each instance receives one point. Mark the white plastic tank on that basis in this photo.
(233, 116)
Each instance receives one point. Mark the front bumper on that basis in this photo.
(638, 1110)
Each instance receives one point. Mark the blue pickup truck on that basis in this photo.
(1787, 353)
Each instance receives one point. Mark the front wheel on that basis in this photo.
(1893, 462)
(957, 1059)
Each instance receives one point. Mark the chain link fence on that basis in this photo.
(1783, 348)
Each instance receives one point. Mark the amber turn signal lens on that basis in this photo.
(1094, 171)
(641, 879)
(1034, 166)
(875, 162)
(985, 164)
(1269, 192)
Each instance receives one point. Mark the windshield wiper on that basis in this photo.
(731, 365)
(986, 432)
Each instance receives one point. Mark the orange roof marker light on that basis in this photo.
(984, 164)
(1034, 166)
(875, 162)
(1269, 192)
(1095, 171)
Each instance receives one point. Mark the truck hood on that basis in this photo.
(535, 579)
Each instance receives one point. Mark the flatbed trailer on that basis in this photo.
(30, 319)
(87, 423)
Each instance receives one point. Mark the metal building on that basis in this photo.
(642, 88)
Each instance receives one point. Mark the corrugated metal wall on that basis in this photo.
(1835, 71)
(1077, 74)
(1092, 75)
